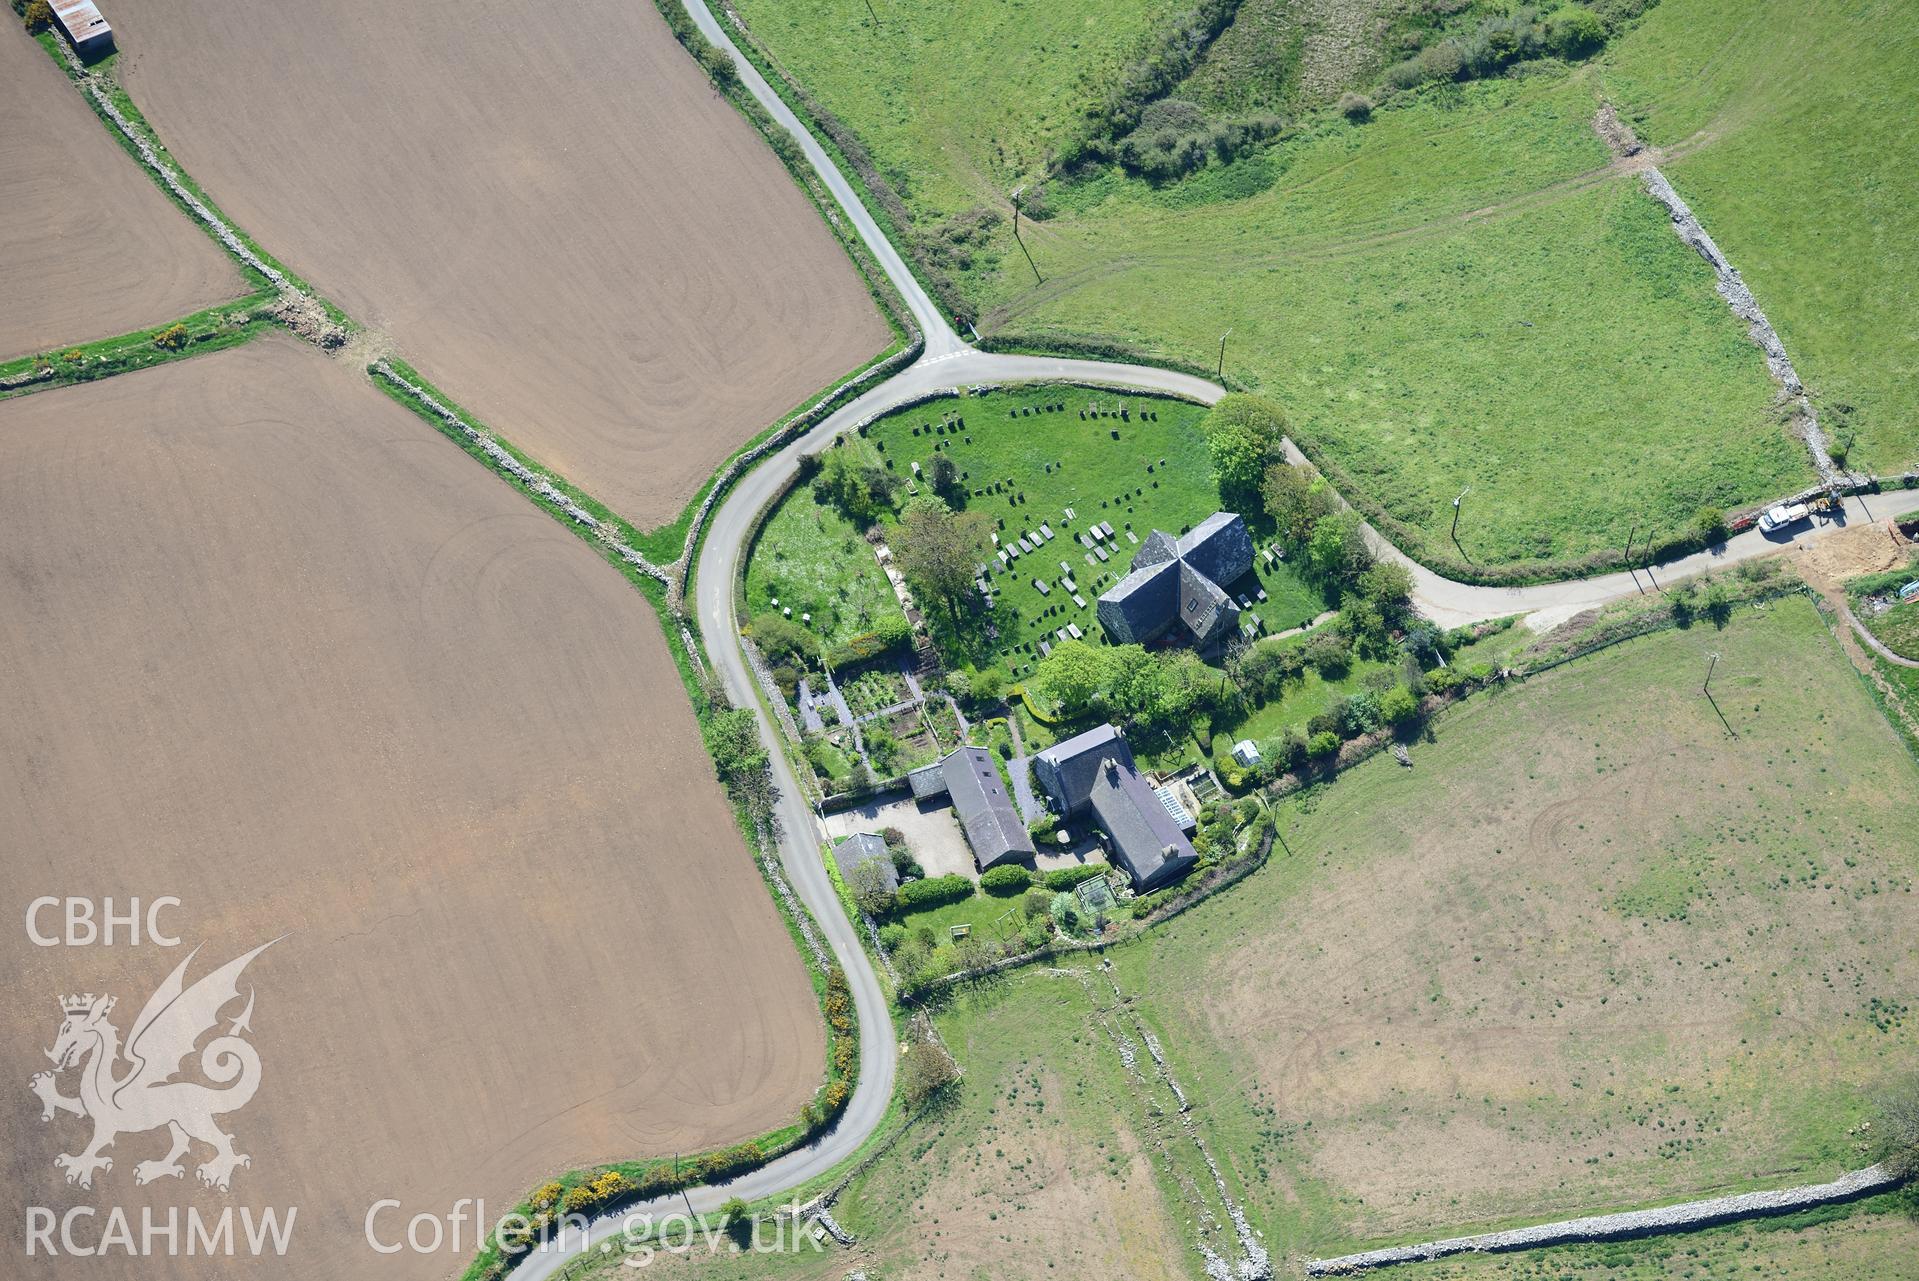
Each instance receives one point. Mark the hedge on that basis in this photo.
(1066, 878)
(935, 891)
(1008, 878)
(892, 634)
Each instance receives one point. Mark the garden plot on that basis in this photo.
(89, 248)
(558, 222)
(279, 649)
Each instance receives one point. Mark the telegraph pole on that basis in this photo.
(1020, 240)
(1219, 374)
(1455, 534)
(1629, 568)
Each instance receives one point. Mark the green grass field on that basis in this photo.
(1793, 123)
(811, 560)
(957, 102)
(1455, 294)
(1589, 952)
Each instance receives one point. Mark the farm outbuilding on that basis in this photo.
(992, 825)
(861, 848)
(86, 29)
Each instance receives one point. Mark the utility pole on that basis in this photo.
(1455, 534)
(870, 13)
(1712, 661)
(1021, 240)
(1648, 555)
(1629, 568)
(1219, 374)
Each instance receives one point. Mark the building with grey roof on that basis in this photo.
(1092, 775)
(1180, 583)
(986, 813)
(862, 848)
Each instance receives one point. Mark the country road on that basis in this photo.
(948, 362)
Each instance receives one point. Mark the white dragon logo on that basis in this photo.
(145, 1097)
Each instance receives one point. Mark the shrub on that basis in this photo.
(1359, 714)
(1895, 1143)
(1323, 744)
(894, 838)
(1710, 524)
(1035, 903)
(1398, 706)
(1065, 878)
(1356, 107)
(934, 892)
(784, 641)
(172, 338)
(1575, 33)
(891, 633)
(1329, 653)
(925, 1071)
(1006, 879)
(738, 1220)
(37, 15)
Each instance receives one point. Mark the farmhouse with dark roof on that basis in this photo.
(1093, 774)
(1181, 583)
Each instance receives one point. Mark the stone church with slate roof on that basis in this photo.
(1181, 583)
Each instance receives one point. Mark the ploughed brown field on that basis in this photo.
(549, 211)
(275, 647)
(89, 248)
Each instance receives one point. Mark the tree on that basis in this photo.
(1297, 498)
(1388, 585)
(1071, 676)
(939, 551)
(1244, 434)
(855, 485)
(1338, 554)
(1323, 744)
(870, 890)
(1895, 1139)
(943, 475)
(1136, 687)
(37, 15)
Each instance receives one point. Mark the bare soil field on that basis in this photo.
(556, 219)
(1589, 952)
(276, 648)
(89, 247)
